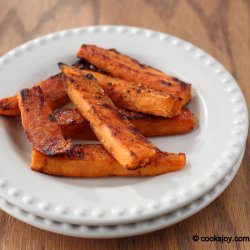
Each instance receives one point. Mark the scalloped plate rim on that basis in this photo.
(105, 220)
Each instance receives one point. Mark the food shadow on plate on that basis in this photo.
(18, 139)
(116, 181)
(145, 187)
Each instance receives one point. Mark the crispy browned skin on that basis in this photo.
(73, 124)
(95, 161)
(53, 90)
(83, 64)
(128, 95)
(116, 133)
(124, 67)
(39, 124)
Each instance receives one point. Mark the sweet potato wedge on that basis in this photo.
(128, 95)
(73, 124)
(39, 124)
(95, 161)
(117, 134)
(53, 90)
(9, 106)
(122, 66)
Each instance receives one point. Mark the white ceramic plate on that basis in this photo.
(212, 149)
(124, 230)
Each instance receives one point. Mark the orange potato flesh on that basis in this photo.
(122, 66)
(116, 133)
(53, 90)
(73, 124)
(95, 161)
(135, 97)
(39, 123)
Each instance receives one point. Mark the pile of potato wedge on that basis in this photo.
(118, 101)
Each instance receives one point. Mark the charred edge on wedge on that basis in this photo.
(24, 94)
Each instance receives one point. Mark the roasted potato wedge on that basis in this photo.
(128, 95)
(39, 124)
(73, 124)
(9, 106)
(53, 90)
(117, 134)
(95, 161)
(121, 66)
